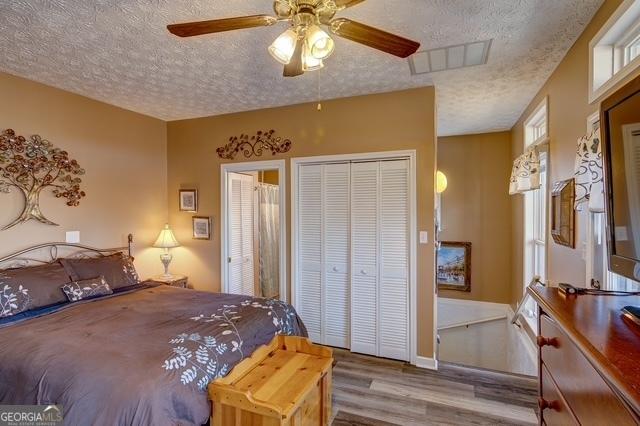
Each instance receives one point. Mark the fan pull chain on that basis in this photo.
(319, 102)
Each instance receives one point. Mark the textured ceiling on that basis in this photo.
(118, 51)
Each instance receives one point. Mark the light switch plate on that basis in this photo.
(424, 237)
(73, 237)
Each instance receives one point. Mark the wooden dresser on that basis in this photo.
(589, 359)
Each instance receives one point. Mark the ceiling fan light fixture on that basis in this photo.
(283, 47)
(320, 43)
(310, 62)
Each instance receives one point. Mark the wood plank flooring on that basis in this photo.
(379, 392)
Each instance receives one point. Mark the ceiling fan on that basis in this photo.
(305, 45)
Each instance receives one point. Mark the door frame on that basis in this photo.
(252, 166)
(413, 226)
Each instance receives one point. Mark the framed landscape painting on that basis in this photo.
(453, 266)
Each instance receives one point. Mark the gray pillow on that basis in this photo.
(117, 269)
(85, 289)
(24, 289)
(13, 300)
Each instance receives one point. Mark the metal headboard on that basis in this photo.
(43, 254)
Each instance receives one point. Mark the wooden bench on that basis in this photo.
(287, 382)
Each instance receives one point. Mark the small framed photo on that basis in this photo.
(201, 228)
(454, 266)
(188, 200)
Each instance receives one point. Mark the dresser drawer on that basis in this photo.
(553, 408)
(590, 398)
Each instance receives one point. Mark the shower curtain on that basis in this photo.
(269, 196)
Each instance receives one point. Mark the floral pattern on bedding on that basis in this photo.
(200, 359)
(85, 289)
(13, 301)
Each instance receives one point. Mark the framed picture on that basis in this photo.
(453, 266)
(201, 228)
(188, 200)
(563, 217)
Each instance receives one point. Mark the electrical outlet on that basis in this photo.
(73, 237)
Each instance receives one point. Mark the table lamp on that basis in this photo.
(166, 240)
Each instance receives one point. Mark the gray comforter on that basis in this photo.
(143, 357)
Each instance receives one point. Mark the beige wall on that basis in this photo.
(567, 89)
(123, 153)
(392, 121)
(476, 207)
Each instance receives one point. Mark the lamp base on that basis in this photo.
(166, 259)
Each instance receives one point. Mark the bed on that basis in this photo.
(142, 354)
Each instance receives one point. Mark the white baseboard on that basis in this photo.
(425, 362)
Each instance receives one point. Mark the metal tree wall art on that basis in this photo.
(31, 165)
(254, 145)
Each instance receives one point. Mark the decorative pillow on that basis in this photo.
(29, 288)
(86, 289)
(117, 269)
(13, 301)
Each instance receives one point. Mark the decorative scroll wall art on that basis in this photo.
(31, 165)
(254, 145)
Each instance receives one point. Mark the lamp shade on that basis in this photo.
(285, 45)
(166, 239)
(441, 182)
(320, 44)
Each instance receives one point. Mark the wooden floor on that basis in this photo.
(379, 392)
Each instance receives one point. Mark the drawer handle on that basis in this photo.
(544, 404)
(335, 269)
(363, 272)
(547, 341)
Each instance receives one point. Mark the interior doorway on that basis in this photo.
(254, 229)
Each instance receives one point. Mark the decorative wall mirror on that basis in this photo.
(562, 213)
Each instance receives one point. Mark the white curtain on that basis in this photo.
(269, 196)
(525, 174)
(589, 174)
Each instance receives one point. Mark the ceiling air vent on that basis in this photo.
(450, 58)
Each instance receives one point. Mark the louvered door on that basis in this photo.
(364, 257)
(393, 309)
(352, 265)
(240, 213)
(335, 211)
(309, 250)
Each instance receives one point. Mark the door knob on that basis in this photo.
(547, 341)
(544, 404)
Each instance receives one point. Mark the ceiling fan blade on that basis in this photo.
(190, 29)
(294, 67)
(374, 37)
(343, 4)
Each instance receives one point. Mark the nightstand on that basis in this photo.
(174, 281)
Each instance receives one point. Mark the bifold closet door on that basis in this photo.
(336, 306)
(322, 298)
(364, 257)
(380, 258)
(394, 260)
(240, 213)
(309, 250)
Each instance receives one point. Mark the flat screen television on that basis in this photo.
(620, 125)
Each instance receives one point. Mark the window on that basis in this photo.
(615, 51)
(535, 211)
(632, 51)
(598, 274)
(535, 128)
